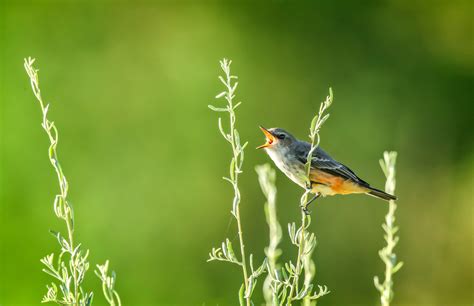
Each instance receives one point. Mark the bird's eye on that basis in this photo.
(281, 136)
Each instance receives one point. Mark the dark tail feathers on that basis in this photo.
(381, 194)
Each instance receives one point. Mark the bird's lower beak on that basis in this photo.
(269, 136)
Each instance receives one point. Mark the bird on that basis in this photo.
(327, 176)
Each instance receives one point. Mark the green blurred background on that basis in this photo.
(129, 84)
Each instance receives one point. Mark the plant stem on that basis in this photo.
(78, 265)
(266, 178)
(301, 246)
(242, 252)
(386, 253)
(70, 231)
(304, 216)
(314, 136)
(237, 171)
(65, 209)
(235, 165)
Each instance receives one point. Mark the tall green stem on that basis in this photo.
(390, 229)
(271, 286)
(294, 287)
(63, 208)
(71, 273)
(235, 169)
(315, 127)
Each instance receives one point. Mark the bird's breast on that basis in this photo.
(289, 165)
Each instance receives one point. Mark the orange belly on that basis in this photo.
(328, 184)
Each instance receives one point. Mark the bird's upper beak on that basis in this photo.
(269, 136)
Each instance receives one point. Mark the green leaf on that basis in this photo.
(222, 80)
(397, 267)
(221, 129)
(237, 105)
(241, 295)
(230, 250)
(217, 109)
(237, 138)
(323, 120)
(232, 169)
(221, 95)
(54, 233)
(313, 123)
(234, 87)
(89, 299)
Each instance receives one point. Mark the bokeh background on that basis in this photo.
(129, 84)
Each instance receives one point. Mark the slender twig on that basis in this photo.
(225, 253)
(62, 206)
(266, 178)
(390, 229)
(73, 272)
(303, 238)
(108, 284)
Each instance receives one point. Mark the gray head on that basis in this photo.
(277, 139)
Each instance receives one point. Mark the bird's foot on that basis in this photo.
(305, 209)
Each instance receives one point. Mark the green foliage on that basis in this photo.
(70, 267)
(279, 281)
(390, 229)
(306, 242)
(108, 284)
(225, 252)
(272, 285)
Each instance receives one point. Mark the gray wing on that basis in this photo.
(322, 161)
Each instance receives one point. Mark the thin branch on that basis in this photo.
(73, 272)
(390, 229)
(235, 169)
(305, 241)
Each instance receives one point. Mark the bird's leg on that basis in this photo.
(308, 187)
(305, 207)
(313, 198)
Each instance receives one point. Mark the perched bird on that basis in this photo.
(327, 176)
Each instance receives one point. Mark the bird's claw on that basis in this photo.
(305, 209)
(305, 206)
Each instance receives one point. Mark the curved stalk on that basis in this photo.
(304, 237)
(232, 136)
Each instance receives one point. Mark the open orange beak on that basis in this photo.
(270, 138)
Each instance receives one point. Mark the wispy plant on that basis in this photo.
(305, 241)
(390, 229)
(70, 266)
(108, 284)
(271, 288)
(225, 252)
